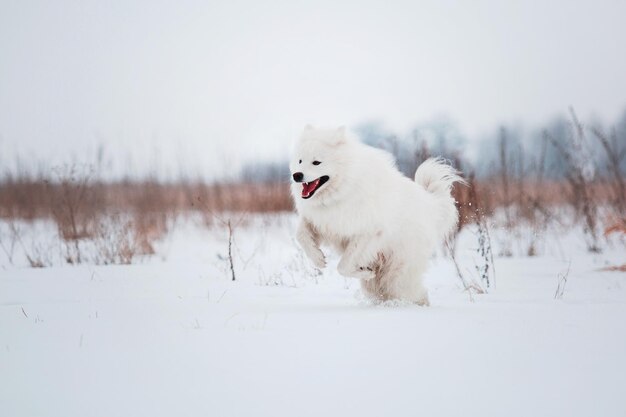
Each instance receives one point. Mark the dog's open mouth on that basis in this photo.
(309, 188)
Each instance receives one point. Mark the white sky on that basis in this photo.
(204, 85)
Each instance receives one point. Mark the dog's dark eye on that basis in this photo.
(300, 161)
(316, 162)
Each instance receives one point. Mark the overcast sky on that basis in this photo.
(206, 84)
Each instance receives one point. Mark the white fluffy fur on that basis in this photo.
(383, 225)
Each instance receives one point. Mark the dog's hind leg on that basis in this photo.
(359, 259)
(408, 284)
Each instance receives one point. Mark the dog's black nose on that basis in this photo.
(297, 177)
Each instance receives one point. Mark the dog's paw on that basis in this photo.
(360, 272)
(365, 273)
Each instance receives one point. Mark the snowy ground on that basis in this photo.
(173, 336)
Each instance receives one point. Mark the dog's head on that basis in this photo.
(317, 163)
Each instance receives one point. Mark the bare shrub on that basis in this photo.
(579, 175)
(38, 256)
(71, 206)
(485, 266)
(469, 285)
(115, 241)
(536, 212)
(9, 239)
(471, 212)
(37, 253)
(227, 222)
(230, 229)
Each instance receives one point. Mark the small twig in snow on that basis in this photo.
(222, 296)
(560, 288)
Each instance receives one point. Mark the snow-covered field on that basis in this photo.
(174, 336)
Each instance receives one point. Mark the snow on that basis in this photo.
(173, 335)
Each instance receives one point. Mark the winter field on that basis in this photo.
(150, 156)
(172, 334)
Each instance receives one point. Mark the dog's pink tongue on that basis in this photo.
(308, 188)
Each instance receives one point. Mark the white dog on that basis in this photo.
(385, 226)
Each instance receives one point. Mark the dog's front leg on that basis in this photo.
(308, 238)
(359, 259)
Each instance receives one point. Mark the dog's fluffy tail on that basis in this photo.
(438, 177)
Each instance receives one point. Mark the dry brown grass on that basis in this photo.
(615, 225)
(618, 268)
(75, 207)
(122, 219)
(71, 203)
